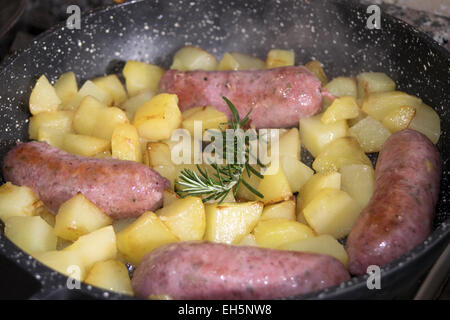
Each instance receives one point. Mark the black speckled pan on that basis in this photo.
(333, 32)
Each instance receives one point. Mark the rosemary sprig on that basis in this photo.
(227, 177)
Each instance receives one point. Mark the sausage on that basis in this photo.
(400, 212)
(122, 189)
(204, 270)
(278, 97)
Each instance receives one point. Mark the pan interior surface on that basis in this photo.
(334, 33)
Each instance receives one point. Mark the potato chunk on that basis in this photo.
(31, 234)
(323, 244)
(289, 144)
(370, 133)
(43, 97)
(60, 121)
(66, 87)
(332, 212)
(79, 216)
(84, 145)
(208, 115)
(427, 122)
(242, 192)
(276, 232)
(296, 172)
(249, 240)
(317, 182)
(315, 135)
(358, 180)
(156, 119)
(274, 186)
(113, 86)
(17, 201)
(342, 86)
(339, 153)
(141, 76)
(281, 210)
(142, 236)
(240, 61)
(399, 119)
(125, 143)
(280, 58)
(379, 105)
(370, 82)
(68, 263)
(98, 245)
(193, 58)
(132, 104)
(316, 68)
(342, 108)
(185, 218)
(89, 88)
(230, 222)
(110, 275)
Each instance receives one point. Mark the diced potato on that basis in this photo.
(103, 155)
(157, 118)
(85, 120)
(342, 86)
(45, 214)
(108, 119)
(79, 216)
(158, 157)
(281, 210)
(316, 68)
(208, 115)
(125, 143)
(315, 135)
(169, 196)
(249, 240)
(323, 244)
(339, 153)
(296, 172)
(113, 86)
(86, 146)
(242, 192)
(299, 211)
(89, 89)
(361, 115)
(61, 244)
(280, 58)
(43, 97)
(141, 76)
(370, 133)
(66, 87)
(110, 275)
(274, 233)
(68, 263)
(318, 182)
(193, 58)
(342, 108)
(379, 105)
(98, 245)
(231, 222)
(142, 236)
(289, 144)
(358, 180)
(31, 234)
(17, 201)
(332, 212)
(240, 61)
(167, 171)
(185, 218)
(132, 104)
(119, 225)
(274, 186)
(370, 82)
(427, 122)
(53, 136)
(399, 119)
(58, 120)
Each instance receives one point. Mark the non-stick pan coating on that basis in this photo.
(335, 33)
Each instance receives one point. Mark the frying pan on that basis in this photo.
(333, 32)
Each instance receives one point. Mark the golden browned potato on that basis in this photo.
(210, 118)
(231, 222)
(110, 275)
(125, 143)
(66, 87)
(358, 180)
(399, 119)
(342, 86)
(319, 181)
(85, 146)
(113, 86)
(132, 104)
(379, 105)
(17, 201)
(193, 58)
(280, 58)
(43, 98)
(275, 232)
(370, 134)
(79, 216)
(281, 210)
(31, 234)
(296, 172)
(240, 61)
(427, 121)
(60, 121)
(342, 108)
(316, 68)
(69, 263)
(370, 82)
(89, 89)
(141, 76)
(274, 186)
